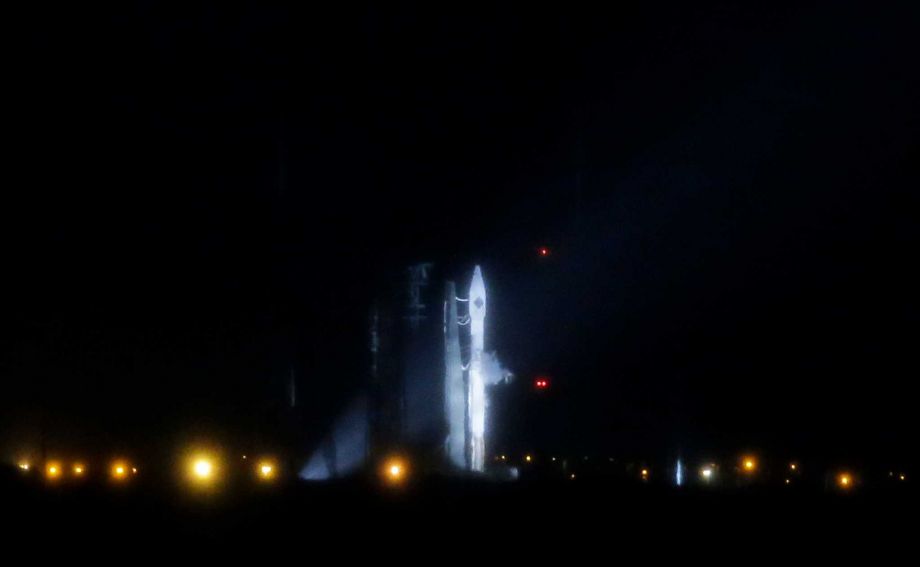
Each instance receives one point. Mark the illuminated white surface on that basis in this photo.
(477, 388)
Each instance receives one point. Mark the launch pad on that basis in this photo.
(429, 375)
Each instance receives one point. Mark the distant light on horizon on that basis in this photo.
(53, 470)
(266, 470)
(395, 471)
(203, 469)
(845, 481)
(119, 471)
(707, 473)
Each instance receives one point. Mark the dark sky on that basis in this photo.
(199, 198)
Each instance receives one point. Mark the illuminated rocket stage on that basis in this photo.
(430, 375)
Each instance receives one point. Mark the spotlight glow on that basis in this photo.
(708, 473)
(24, 466)
(395, 471)
(266, 470)
(53, 470)
(78, 469)
(845, 481)
(119, 471)
(203, 469)
(749, 464)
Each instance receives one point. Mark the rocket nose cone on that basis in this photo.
(476, 283)
(477, 295)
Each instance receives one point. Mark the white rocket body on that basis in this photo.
(477, 389)
(455, 394)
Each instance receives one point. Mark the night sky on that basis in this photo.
(198, 199)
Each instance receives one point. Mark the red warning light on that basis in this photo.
(541, 383)
(543, 251)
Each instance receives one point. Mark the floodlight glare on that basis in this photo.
(845, 481)
(266, 470)
(53, 470)
(395, 471)
(202, 468)
(707, 473)
(119, 471)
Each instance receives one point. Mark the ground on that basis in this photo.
(453, 521)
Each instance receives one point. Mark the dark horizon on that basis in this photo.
(201, 199)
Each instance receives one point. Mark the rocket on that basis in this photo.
(454, 388)
(477, 389)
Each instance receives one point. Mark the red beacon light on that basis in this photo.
(543, 251)
(541, 383)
